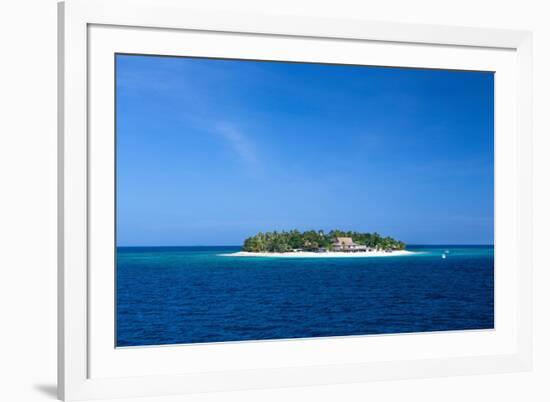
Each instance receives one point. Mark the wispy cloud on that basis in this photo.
(239, 143)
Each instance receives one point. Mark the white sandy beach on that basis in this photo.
(328, 254)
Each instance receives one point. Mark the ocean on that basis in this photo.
(175, 295)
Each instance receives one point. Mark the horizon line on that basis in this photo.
(234, 245)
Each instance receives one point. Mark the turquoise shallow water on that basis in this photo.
(169, 295)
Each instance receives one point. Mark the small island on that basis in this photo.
(312, 243)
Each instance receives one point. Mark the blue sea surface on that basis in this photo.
(173, 295)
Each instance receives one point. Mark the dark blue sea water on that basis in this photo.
(170, 295)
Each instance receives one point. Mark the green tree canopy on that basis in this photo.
(313, 240)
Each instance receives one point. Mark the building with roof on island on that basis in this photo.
(346, 244)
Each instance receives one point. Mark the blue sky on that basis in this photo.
(212, 151)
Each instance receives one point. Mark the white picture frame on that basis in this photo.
(91, 31)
